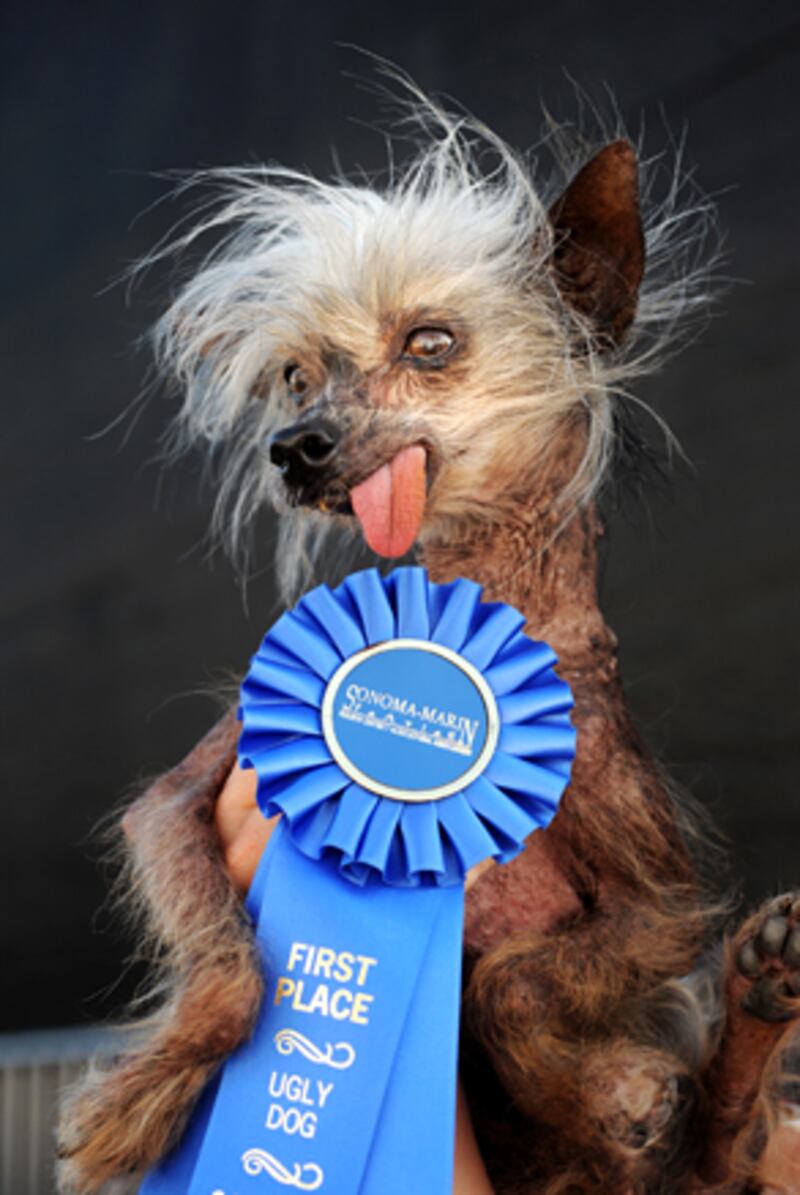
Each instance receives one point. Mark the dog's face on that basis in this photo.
(428, 373)
(401, 408)
(407, 358)
(369, 433)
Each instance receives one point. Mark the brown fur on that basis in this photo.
(118, 1121)
(569, 942)
(590, 1067)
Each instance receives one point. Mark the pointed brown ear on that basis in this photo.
(598, 257)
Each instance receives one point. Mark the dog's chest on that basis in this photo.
(528, 895)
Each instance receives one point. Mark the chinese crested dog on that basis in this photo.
(442, 361)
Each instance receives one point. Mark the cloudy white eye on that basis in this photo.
(297, 379)
(428, 346)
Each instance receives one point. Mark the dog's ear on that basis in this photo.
(598, 255)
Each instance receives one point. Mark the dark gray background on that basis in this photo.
(112, 618)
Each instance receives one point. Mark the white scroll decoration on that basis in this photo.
(288, 1040)
(258, 1161)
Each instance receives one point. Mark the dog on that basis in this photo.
(441, 362)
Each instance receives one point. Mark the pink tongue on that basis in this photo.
(390, 504)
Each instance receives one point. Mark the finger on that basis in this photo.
(242, 855)
(235, 804)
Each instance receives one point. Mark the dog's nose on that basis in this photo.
(303, 448)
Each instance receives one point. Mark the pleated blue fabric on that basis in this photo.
(331, 815)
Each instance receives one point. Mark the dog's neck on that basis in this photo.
(529, 558)
(552, 583)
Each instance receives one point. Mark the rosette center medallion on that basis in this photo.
(410, 720)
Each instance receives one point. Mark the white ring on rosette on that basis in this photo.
(386, 790)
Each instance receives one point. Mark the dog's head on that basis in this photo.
(405, 357)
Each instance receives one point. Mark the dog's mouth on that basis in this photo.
(390, 503)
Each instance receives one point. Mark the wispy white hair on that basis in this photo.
(289, 250)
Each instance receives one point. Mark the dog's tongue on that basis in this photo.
(389, 505)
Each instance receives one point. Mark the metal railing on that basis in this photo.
(34, 1068)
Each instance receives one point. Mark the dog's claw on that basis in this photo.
(747, 960)
(773, 935)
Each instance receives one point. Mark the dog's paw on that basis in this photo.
(768, 957)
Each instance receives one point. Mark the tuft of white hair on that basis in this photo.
(462, 204)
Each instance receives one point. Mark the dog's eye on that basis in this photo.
(428, 345)
(297, 379)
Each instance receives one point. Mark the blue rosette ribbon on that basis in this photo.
(405, 731)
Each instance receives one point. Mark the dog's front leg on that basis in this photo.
(120, 1119)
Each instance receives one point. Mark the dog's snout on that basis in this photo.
(304, 447)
